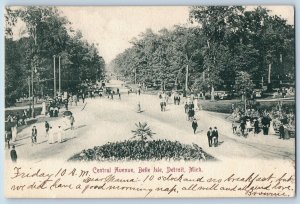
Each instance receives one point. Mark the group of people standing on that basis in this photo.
(163, 101)
(213, 137)
(176, 99)
(189, 109)
(53, 133)
(111, 93)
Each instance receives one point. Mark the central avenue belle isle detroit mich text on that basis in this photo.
(190, 169)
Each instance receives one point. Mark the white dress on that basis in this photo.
(248, 125)
(43, 108)
(271, 129)
(14, 133)
(59, 135)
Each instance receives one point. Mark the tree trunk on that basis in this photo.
(212, 95)
(269, 74)
(245, 103)
(186, 77)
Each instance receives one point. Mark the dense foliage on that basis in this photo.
(47, 33)
(130, 150)
(223, 43)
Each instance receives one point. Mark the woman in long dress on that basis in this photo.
(286, 133)
(271, 129)
(248, 125)
(59, 134)
(14, 132)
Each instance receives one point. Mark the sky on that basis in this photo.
(112, 28)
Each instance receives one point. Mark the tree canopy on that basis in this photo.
(223, 42)
(48, 34)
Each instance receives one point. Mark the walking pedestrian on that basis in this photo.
(56, 111)
(72, 120)
(13, 154)
(47, 128)
(83, 97)
(194, 125)
(191, 114)
(8, 138)
(266, 124)
(139, 109)
(234, 127)
(256, 126)
(60, 134)
(163, 105)
(286, 133)
(34, 135)
(14, 131)
(243, 127)
(209, 136)
(112, 95)
(248, 126)
(66, 102)
(186, 107)
(215, 137)
(75, 99)
(51, 111)
(281, 131)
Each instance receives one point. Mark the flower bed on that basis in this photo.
(135, 150)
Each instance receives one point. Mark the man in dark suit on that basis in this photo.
(194, 125)
(210, 136)
(13, 154)
(215, 137)
(266, 124)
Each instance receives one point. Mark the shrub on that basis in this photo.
(142, 131)
(131, 150)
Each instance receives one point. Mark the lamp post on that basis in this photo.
(54, 83)
(32, 111)
(59, 77)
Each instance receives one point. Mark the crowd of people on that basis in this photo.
(269, 122)
(12, 123)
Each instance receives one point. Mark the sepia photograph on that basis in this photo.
(150, 101)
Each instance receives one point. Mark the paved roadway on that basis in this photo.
(104, 120)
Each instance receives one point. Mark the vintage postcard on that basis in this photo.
(149, 102)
